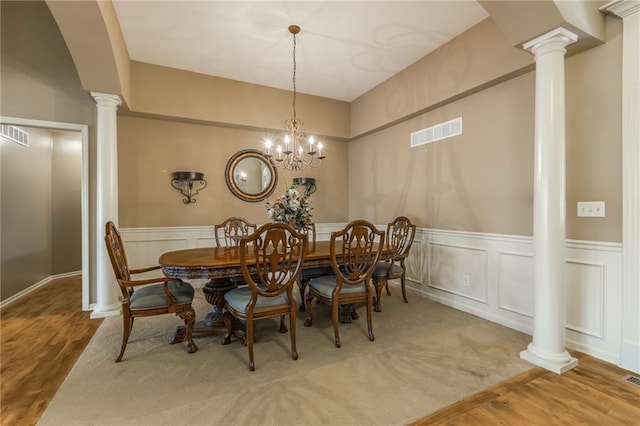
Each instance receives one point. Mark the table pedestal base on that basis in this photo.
(212, 322)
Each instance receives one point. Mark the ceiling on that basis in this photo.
(344, 49)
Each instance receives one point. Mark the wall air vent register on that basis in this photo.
(14, 134)
(438, 132)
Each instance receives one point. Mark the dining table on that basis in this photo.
(221, 266)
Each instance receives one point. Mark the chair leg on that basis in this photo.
(292, 328)
(378, 283)
(252, 365)
(334, 318)
(386, 285)
(369, 317)
(309, 321)
(190, 320)
(404, 291)
(127, 324)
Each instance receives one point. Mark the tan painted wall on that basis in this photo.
(482, 181)
(479, 181)
(92, 32)
(38, 81)
(466, 64)
(149, 150)
(181, 94)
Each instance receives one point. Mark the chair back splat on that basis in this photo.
(271, 260)
(150, 296)
(309, 273)
(355, 251)
(400, 235)
(233, 229)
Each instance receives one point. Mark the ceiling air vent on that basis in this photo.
(435, 133)
(14, 134)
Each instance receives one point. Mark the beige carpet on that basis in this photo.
(425, 356)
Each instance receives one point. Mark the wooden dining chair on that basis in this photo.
(150, 296)
(233, 229)
(399, 236)
(355, 251)
(271, 260)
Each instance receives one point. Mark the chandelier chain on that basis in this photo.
(294, 76)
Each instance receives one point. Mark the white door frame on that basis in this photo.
(83, 129)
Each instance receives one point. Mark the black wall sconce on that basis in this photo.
(308, 183)
(184, 182)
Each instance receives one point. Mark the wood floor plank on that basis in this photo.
(591, 394)
(41, 337)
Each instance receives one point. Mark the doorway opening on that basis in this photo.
(82, 133)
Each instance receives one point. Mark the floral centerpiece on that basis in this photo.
(292, 208)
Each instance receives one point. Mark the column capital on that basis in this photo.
(553, 41)
(621, 8)
(106, 99)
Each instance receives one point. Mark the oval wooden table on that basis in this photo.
(220, 265)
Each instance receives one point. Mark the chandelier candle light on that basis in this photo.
(292, 156)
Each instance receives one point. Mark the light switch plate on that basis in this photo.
(590, 208)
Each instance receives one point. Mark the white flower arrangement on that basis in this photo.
(292, 208)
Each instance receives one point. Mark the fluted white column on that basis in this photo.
(547, 349)
(106, 201)
(629, 11)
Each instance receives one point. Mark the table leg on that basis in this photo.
(347, 313)
(302, 285)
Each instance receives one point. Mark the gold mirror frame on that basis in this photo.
(266, 166)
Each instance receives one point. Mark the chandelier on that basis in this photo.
(292, 155)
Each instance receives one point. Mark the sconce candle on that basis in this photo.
(184, 182)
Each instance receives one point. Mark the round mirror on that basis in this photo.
(250, 175)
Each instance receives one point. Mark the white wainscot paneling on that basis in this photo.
(459, 270)
(145, 245)
(515, 282)
(501, 283)
(594, 299)
(585, 298)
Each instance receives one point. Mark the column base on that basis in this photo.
(559, 364)
(112, 310)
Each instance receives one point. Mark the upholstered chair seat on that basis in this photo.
(153, 296)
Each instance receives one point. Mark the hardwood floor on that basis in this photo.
(591, 394)
(41, 337)
(44, 333)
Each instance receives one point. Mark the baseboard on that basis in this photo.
(630, 357)
(35, 286)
